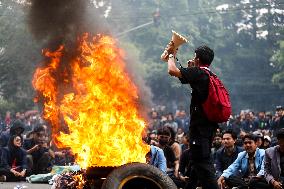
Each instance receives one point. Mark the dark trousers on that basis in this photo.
(42, 165)
(10, 177)
(202, 174)
(253, 183)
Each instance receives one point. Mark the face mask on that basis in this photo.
(163, 142)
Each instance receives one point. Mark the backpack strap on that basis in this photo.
(207, 70)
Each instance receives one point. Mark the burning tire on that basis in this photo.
(138, 176)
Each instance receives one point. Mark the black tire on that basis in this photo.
(138, 176)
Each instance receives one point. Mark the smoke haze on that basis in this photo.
(57, 22)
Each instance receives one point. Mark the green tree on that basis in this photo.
(18, 57)
(278, 61)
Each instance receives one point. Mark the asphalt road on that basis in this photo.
(13, 185)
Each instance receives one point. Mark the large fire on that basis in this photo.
(104, 126)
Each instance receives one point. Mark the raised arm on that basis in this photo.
(172, 68)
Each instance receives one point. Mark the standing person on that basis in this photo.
(13, 164)
(201, 130)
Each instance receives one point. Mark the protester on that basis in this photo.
(17, 128)
(226, 155)
(182, 119)
(274, 163)
(185, 143)
(171, 123)
(201, 130)
(174, 144)
(179, 135)
(157, 158)
(39, 154)
(216, 145)
(259, 138)
(278, 121)
(164, 138)
(247, 170)
(13, 166)
(266, 142)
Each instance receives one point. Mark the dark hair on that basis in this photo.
(164, 131)
(205, 54)
(17, 124)
(11, 145)
(173, 133)
(232, 133)
(278, 108)
(38, 128)
(250, 137)
(280, 133)
(218, 135)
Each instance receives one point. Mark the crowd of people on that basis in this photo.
(243, 148)
(26, 147)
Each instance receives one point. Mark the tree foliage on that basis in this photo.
(247, 37)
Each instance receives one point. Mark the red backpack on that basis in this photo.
(217, 106)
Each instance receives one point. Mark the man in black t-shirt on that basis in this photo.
(39, 154)
(201, 130)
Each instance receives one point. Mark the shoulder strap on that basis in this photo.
(207, 70)
(156, 152)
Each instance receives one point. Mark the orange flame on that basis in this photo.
(101, 112)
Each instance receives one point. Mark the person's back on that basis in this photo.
(158, 158)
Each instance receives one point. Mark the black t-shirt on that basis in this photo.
(198, 79)
(28, 144)
(201, 130)
(170, 156)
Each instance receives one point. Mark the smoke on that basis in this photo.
(57, 22)
(62, 21)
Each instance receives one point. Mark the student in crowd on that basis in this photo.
(157, 158)
(247, 170)
(13, 166)
(17, 128)
(164, 135)
(40, 156)
(216, 145)
(226, 155)
(274, 163)
(266, 142)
